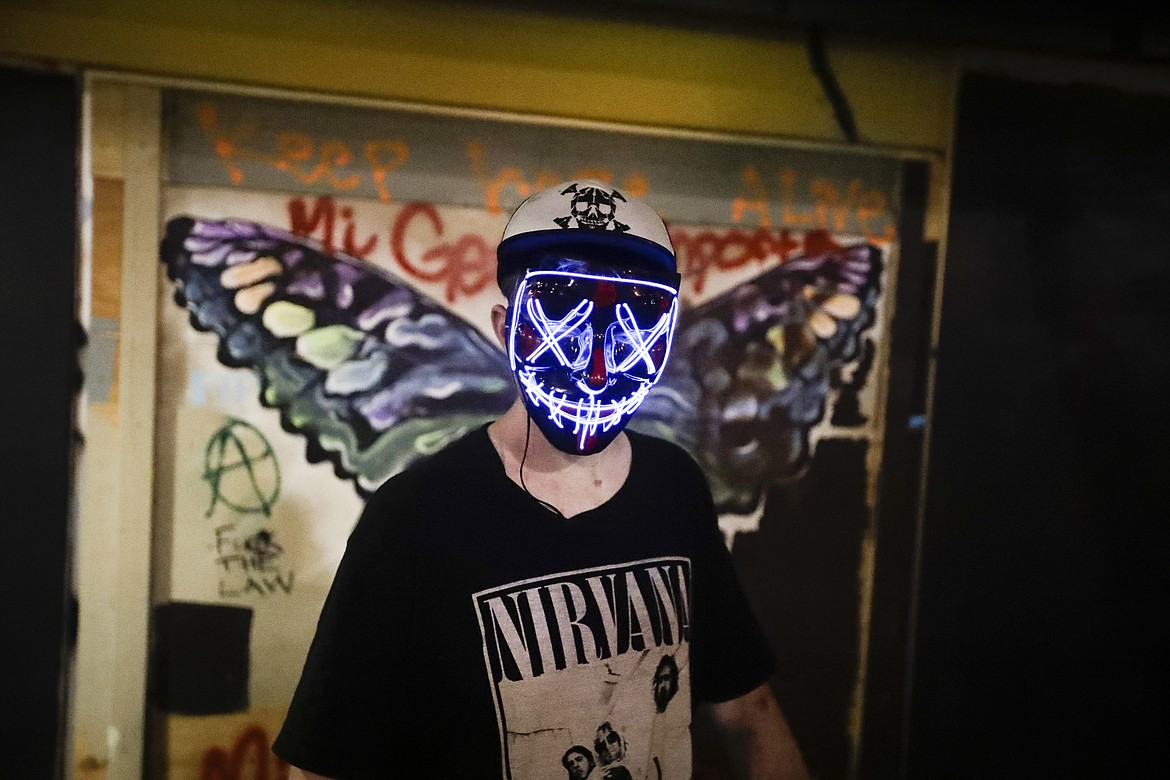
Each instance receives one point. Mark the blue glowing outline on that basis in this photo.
(587, 415)
(641, 348)
(561, 328)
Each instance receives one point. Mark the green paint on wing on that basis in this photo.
(284, 319)
(329, 346)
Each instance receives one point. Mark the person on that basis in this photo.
(611, 750)
(578, 762)
(665, 684)
(505, 595)
(608, 744)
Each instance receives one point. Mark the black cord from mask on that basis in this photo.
(542, 502)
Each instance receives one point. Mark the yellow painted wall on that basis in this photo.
(469, 55)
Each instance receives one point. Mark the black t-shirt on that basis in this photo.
(474, 633)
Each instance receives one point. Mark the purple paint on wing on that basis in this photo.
(348, 275)
(211, 254)
(392, 305)
(347, 278)
(271, 231)
(309, 285)
(764, 311)
(264, 245)
(216, 231)
(194, 243)
(805, 263)
(238, 256)
(241, 228)
(382, 411)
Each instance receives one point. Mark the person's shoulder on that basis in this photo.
(437, 473)
(663, 455)
(671, 474)
(398, 516)
(397, 513)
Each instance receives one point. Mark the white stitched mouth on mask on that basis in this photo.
(587, 415)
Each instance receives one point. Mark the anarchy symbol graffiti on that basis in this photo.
(240, 468)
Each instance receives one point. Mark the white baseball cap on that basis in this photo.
(586, 217)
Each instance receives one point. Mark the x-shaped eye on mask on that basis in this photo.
(640, 345)
(552, 331)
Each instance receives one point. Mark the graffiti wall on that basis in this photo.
(324, 323)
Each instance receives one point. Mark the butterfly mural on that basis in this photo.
(375, 375)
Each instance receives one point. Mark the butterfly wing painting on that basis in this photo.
(374, 374)
(750, 372)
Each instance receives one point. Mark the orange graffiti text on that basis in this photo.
(830, 207)
(495, 184)
(306, 159)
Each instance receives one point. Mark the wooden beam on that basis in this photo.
(136, 410)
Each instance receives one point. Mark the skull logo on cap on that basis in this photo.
(593, 208)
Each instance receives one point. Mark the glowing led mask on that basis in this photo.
(586, 350)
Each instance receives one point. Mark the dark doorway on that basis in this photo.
(39, 132)
(1043, 591)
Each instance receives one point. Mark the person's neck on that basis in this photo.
(571, 483)
(514, 433)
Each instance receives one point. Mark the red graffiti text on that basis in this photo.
(700, 252)
(320, 223)
(465, 264)
(250, 751)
